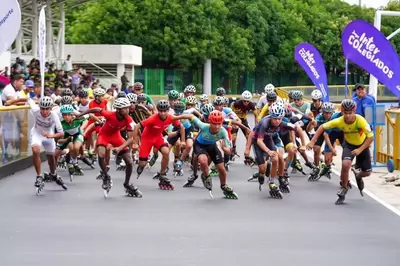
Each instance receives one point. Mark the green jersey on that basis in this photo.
(72, 129)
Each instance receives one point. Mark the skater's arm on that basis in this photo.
(318, 133)
(183, 116)
(136, 133)
(127, 143)
(239, 124)
(328, 142)
(183, 135)
(90, 111)
(302, 136)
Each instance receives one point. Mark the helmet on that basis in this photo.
(207, 109)
(132, 97)
(67, 109)
(277, 110)
(290, 94)
(246, 95)
(271, 96)
(138, 85)
(269, 88)
(191, 100)
(45, 102)
(203, 97)
(316, 95)
(328, 107)
(348, 105)
(181, 96)
(219, 100)
(163, 105)
(190, 88)
(173, 95)
(66, 92)
(83, 94)
(66, 100)
(226, 100)
(179, 107)
(141, 97)
(216, 117)
(220, 91)
(121, 103)
(280, 102)
(99, 92)
(121, 94)
(297, 95)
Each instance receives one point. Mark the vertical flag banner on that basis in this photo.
(10, 23)
(368, 48)
(311, 61)
(42, 46)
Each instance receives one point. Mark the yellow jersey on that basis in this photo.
(354, 133)
(264, 112)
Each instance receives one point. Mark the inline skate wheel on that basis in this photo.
(232, 195)
(71, 178)
(211, 194)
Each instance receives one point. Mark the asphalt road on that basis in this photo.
(185, 227)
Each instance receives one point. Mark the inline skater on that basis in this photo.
(357, 139)
(110, 137)
(205, 147)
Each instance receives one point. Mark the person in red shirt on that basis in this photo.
(152, 136)
(98, 102)
(110, 137)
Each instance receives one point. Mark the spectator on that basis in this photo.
(10, 92)
(76, 80)
(35, 94)
(362, 99)
(129, 90)
(67, 64)
(124, 82)
(26, 90)
(2, 86)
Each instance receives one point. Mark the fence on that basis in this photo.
(387, 138)
(161, 81)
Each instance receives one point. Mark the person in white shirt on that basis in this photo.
(67, 65)
(10, 92)
(43, 134)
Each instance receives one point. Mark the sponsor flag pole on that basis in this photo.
(42, 46)
(346, 78)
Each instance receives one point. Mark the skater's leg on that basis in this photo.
(188, 148)
(222, 173)
(344, 173)
(36, 159)
(281, 162)
(126, 156)
(101, 153)
(165, 158)
(203, 161)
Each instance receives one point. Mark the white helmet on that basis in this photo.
(121, 103)
(46, 102)
(246, 95)
(203, 97)
(269, 88)
(99, 92)
(316, 95)
(277, 110)
(132, 97)
(191, 100)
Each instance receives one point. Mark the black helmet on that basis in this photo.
(121, 94)
(163, 105)
(220, 91)
(83, 94)
(348, 105)
(141, 97)
(271, 97)
(66, 92)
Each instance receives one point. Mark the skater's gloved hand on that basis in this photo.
(117, 150)
(310, 145)
(272, 154)
(334, 153)
(183, 145)
(302, 148)
(46, 134)
(135, 147)
(356, 152)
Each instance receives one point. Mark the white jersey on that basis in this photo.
(262, 101)
(47, 124)
(83, 108)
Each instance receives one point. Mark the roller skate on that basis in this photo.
(78, 169)
(132, 191)
(153, 160)
(47, 178)
(213, 171)
(253, 177)
(359, 180)
(107, 185)
(62, 163)
(59, 181)
(101, 174)
(39, 184)
(190, 181)
(227, 166)
(92, 157)
(121, 166)
(310, 165)
(341, 196)
(274, 191)
(139, 171)
(71, 171)
(314, 176)
(249, 161)
(284, 184)
(261, 180)
(207, 183)
(165, 183)
(325, 171)
(178, 168)
(228, 192)
(298, 167)
(86, 161)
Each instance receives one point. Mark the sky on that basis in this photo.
(369, 3)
